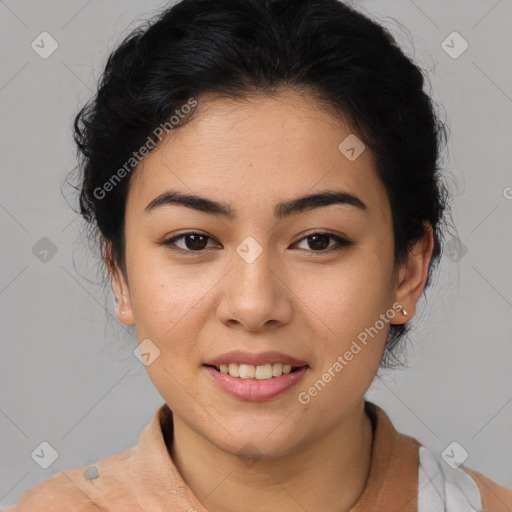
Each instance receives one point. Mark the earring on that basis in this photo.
(122, 311)
(404, 311)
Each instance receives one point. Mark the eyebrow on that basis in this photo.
(281, 210)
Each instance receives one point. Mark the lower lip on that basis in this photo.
(256, 389)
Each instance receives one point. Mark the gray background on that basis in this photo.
(67, 372)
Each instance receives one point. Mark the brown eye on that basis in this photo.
(192, 242)
(320, 242)
(195, 242)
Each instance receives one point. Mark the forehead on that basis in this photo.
(259, 150)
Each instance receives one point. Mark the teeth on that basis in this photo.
(261, 372)
(247, 371)
(277, 369)
(232, 369)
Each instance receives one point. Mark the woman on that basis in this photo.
(263, 176)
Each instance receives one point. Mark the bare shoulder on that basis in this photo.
(87, 488)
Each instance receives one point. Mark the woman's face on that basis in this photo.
(256, 283)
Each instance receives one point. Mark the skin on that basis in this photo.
(294, 299)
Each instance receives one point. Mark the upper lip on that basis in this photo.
(261, 358)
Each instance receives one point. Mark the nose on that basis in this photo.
(255, 295)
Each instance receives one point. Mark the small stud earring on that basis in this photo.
(404, 311)
(122, 311)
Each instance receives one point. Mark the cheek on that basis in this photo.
(348, 334)
(344, 306)
(171, 302)
(169, 309)
(349, 295)
(165, 301)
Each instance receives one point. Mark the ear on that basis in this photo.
(124, 310)
(412, 275)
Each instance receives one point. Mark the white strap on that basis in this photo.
(444, 489)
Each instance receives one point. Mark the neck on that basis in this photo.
(331, 470)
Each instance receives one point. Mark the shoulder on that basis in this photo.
(84, 488)
(444, 486)
(495, 497)
(51, 493)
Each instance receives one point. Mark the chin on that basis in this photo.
(255, 448)
(272, 437)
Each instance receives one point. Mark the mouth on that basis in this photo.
(259, 372)
(255, 383)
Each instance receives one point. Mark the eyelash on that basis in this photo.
(342, 243)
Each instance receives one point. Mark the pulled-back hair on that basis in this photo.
(239, 48)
